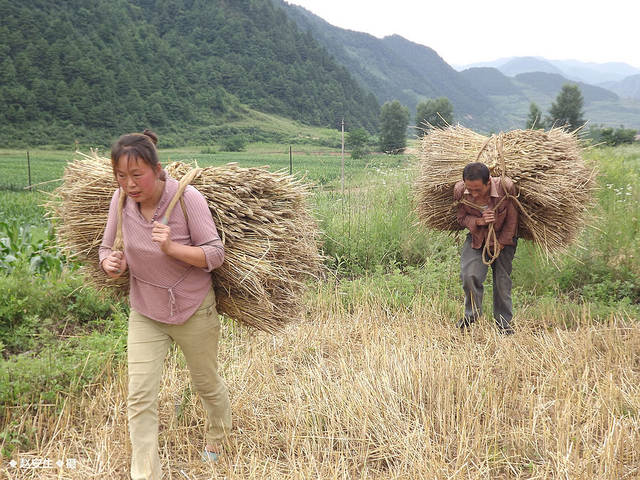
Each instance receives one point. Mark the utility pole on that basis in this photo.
(342, 170)
(29, 168)
(290, 161)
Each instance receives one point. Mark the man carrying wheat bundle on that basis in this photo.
(485, 209)
(540, 191)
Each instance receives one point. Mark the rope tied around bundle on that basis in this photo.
(490, 255)
(552, 182)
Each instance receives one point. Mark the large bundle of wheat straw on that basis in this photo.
(554, 185)
(270, 238)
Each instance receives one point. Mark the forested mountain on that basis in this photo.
(395, 68)
(77, 69)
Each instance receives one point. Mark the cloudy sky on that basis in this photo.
(464, 31)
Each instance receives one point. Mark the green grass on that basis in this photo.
(46, 165)
(25, 207)
(320, 165)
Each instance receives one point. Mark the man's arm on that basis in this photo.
(464, 219)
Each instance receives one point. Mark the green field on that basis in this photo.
(321, 165)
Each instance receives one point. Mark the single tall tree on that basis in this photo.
(394, 120)
(567, 109)
(435, 112)
(534, 120)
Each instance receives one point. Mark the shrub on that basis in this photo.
(235, 143)
(35, 307)
(26, 245)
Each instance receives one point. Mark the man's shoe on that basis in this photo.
(504, 326)
(465, 323)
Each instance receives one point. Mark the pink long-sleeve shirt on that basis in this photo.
(161, 287)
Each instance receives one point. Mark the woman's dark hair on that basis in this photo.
(476, 171)
(136, 145)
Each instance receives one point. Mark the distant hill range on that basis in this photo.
(620, 78)
(593, 73)
(513, 96)
(627, 88)
(490, 96)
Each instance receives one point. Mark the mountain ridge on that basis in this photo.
(385, 67)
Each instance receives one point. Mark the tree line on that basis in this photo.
(567, 112)
(74, 69)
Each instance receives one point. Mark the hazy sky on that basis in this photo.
(464, 31)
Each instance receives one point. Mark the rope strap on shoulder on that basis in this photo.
(118, 243)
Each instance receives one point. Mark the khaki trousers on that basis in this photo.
(148, 343)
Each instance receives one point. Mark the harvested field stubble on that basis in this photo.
(376, 394)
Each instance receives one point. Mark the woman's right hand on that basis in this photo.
(115, 264)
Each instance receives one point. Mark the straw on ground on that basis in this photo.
(375, 394)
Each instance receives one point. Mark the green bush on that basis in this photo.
(235, 143)
(33, 307)
(27, 245)
(612, 136)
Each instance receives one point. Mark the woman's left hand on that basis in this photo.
(161, 234)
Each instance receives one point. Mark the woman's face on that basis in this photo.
(137, 178)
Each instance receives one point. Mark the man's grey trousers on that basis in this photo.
(473, 273)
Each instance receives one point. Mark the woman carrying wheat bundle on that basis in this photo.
(169, 254)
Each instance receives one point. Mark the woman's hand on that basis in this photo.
(195, 256)
(115, 264)
(161, 234)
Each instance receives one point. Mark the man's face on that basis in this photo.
(477, 188)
